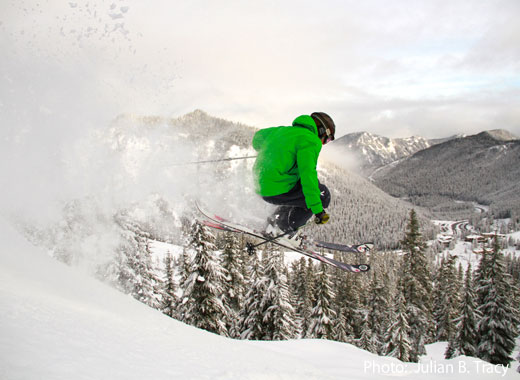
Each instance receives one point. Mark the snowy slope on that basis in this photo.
(58, 323)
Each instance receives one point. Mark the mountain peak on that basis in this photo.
(196, 114)
(500, 135)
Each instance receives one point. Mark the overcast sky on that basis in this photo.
(396, 68)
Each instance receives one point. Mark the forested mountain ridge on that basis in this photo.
(482, 168)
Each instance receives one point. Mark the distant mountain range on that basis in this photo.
(370, 152)
(482, 168)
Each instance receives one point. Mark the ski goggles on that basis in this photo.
(329, 137)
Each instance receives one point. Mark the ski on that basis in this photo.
(354, 248)
(218, 222)
(218, 226)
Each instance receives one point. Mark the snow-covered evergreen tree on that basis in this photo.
(323, 315)
(279, 318)
(301, 288)
(151, 286)
(124, 273)
(417, 288)
(498, 326)
(378, 312)
(251, 315)
(340, 332)
(465, 340)
(437, 295)
(460, 279)
(447, 299)
(170, 299)
(347, 305)
(183, 264)
(367, 340)
(136, 274)
(234, 286)
(482, 274)
(397, 341)
(203, 292)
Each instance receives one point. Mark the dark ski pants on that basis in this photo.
(292, 212)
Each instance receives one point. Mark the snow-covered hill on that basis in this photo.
(58, 323)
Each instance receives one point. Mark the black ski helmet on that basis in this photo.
(325, 124)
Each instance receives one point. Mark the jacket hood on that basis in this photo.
(307, 122)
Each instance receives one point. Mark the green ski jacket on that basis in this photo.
(287, 155)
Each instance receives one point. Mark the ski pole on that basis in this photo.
(252, 247)
(211, 161)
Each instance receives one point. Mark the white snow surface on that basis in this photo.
(58, 323)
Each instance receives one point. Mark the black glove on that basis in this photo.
(321, 218)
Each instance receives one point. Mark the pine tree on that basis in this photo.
(251, 325)
(184, 269)
(347, 306)
(497, 326)
(437, 295)
(234, 286)
(124, 272)
(150, 284)
(367, 340)
(465, 341)
(170, 299)
(378, 312)
(482, 275)
(301, 289)
(397, 341)
(137, 275)
(204, 287)
(447, 291)
(323, 314)
(311, 281)
(183, 263)
(340, 332)
(279, 317)
(460, 278)
(417, 288)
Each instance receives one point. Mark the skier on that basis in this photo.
(285, 172)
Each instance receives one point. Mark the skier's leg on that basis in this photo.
(299, 216)
(293, 212)
(287, 202)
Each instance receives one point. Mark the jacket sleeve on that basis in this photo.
(307, 160)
